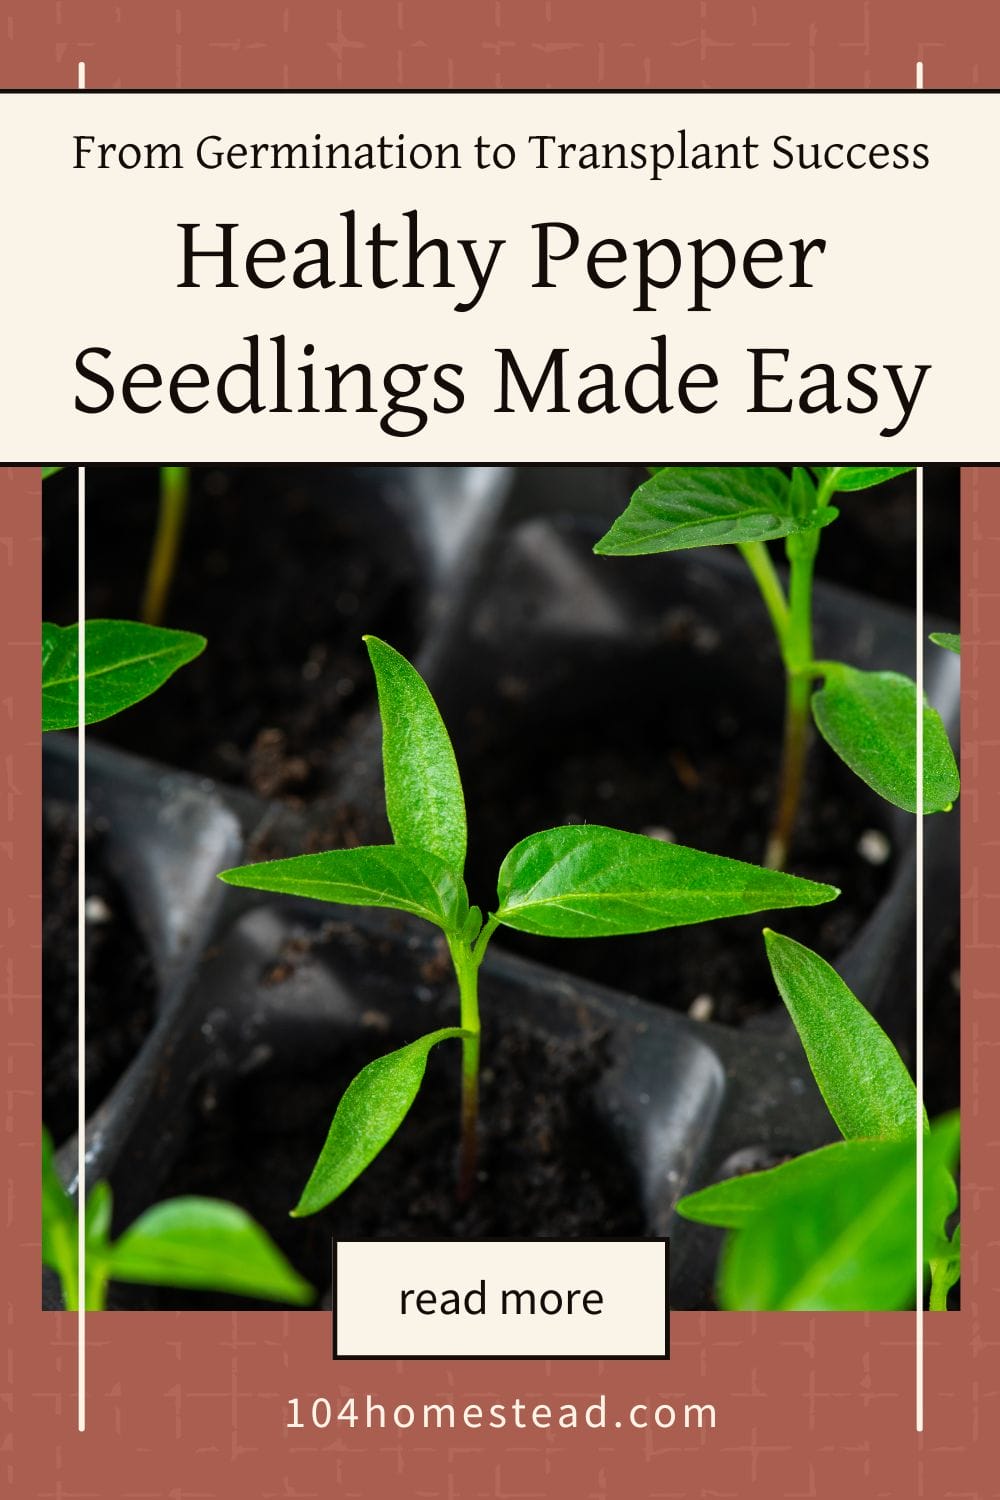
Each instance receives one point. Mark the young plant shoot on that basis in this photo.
(201, 1243)
(577, 881)
(868, 718)
(834, 1230)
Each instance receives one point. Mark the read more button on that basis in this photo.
(499, 1299)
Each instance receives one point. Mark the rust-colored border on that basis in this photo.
(183, 1405)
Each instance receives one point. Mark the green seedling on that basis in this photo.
(201, 1243)
(868, 718)
(578, 881)
(834, 1230)
(947, 642)
(124, 662)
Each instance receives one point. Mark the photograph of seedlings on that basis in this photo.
(436, 727)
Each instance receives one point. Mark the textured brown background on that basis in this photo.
(192, 1408)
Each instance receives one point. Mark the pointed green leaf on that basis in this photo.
(423, 790)
(731, 1204)
(870, 720)
(373, 1107)
(207, 1244)
(588, 881)
(860, 1074)
(947, 642)
(701, 507)
(125, 662)
(377, 875)
(59, 1230)
(47, 472)
(843, 1240)
(847, 478)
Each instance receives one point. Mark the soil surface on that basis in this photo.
(282, 571)
(121, 989)
(548, 1167)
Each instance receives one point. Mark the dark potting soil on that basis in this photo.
(282, 570)
(548, 1167)
(121, 989)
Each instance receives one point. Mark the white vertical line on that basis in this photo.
(920, 954)
(81, 940)
(81, 931)
(919, 83)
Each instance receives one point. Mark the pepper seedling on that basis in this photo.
(577, 881)
(198, 1243)
(868, 718)
(834, 1230)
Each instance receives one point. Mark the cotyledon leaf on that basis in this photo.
(584, 880)
(698, 507)
(870, 720)
(373, 1107)
(860, 1074)
(124, 663)
(411, 880)
(947, 641)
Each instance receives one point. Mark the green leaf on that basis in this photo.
(373, 1107)
(833, 1231)
(208, 1244)
(845, 479)
(97, 1218)
(57, 470)
(423, 790)
(947, 642)
(409, 880)
(588, 881)
(946, 1269)
(472, 925)
(870, 720)
(125, 662)
(701, 507)
(860, 1074)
